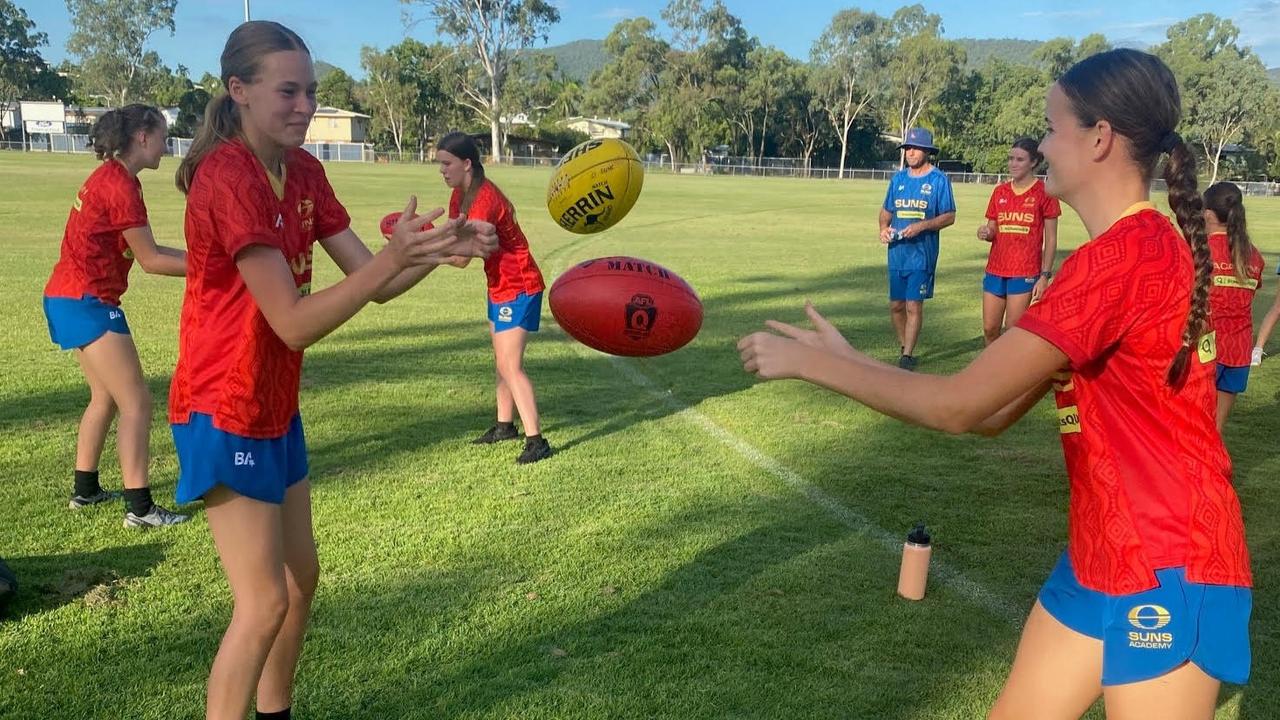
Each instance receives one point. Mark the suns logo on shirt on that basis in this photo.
(301, 265)
(306, 211)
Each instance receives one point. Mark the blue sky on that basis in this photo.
(335, 31)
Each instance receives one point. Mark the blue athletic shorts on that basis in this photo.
(1150, 633)
(1233, 379)
(76, 323)
(525, 311)
(260, 469)
(915, 285)
(1005, 286)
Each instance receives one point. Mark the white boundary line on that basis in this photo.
(850, 518)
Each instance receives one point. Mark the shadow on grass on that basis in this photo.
(47, 582)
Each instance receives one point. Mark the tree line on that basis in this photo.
(701, 85)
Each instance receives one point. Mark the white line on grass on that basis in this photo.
(852, 519)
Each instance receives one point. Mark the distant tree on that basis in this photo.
(337, 89)
(850, 59)
(24, 74)
(492, 33)
(110, 37)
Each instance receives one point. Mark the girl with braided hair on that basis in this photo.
(1149, 607)
(1237, 275)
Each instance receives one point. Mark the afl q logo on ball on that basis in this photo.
(641, 313)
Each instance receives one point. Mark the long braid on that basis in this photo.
(1188, 207)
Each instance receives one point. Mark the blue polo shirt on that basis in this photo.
(912, 199)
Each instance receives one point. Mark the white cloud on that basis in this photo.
(1063, 14)
(615, 13)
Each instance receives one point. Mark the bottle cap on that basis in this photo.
(918, 535)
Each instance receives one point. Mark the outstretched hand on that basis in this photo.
(414, 244)
(773, 356)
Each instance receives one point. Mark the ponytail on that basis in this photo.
(221, 123)
(1138, 95)
(1188, 207)
(1227, 203)
(112, 135)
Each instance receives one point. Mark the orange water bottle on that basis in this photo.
(914, 573)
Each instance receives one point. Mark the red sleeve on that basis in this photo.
(126, 208)
(244, 211)
(1259, 265)
(991, 204)
(331, 217)
(1088, 308)
(1050, 208)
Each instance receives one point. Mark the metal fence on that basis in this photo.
(178, 147)
(653, 163)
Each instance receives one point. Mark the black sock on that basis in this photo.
(139, 500)
(506, 425)
(277, 715)
(87, 483)
(533, 438)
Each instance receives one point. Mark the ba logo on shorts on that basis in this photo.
(114, 315)
(244, 459)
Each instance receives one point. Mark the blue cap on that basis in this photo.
(919, 138)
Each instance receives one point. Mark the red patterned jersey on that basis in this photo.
(1018, 246)
(95, 258)
(1231, 302)
(510, 269)
(1150, 478)
(231, 364)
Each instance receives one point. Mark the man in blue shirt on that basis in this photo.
(918, 204)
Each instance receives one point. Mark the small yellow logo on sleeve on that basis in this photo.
(1068, 419)
(1208, 347)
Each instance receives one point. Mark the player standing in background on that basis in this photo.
(106, 231)
(515, 288)
(1237, 275)
(916, 206)
(1022, 227)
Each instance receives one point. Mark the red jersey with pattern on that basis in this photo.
(95, 258)
(231, 364)
(510, 269)
(1018, 246)
(1231, 302)
(1150, 478)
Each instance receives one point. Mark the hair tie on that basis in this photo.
(1170, 141)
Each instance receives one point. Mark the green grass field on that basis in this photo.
(701, 546)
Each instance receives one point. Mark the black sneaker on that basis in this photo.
(101, 496)
(535, 449)
(495, 434)
(907, 362)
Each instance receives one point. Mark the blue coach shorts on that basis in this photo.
(1232, 379)
(525, 311)
(256, 468)
(1005, 286)
(914, 285)
(1150, 633)
(76, 323)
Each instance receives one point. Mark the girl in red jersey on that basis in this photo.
(514, 296)
(1237, 275)
(1149, 606)
(1022, 227)
(256, 205)
(106, 231)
